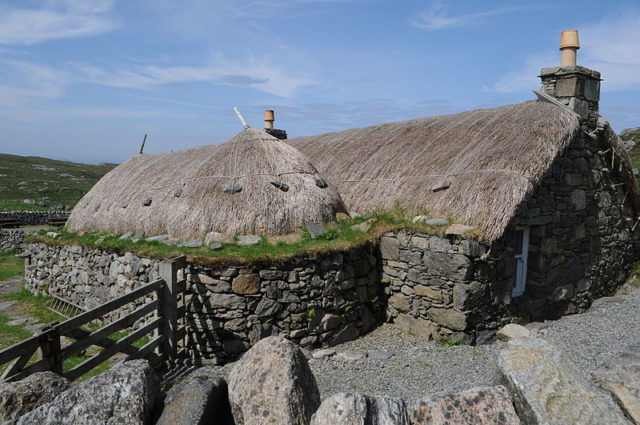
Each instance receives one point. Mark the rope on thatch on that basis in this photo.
(476, 150)
(202, 206)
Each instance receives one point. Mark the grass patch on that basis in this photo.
(35, 306)
(339, 237)
(449, 342)
(10, 265)
(45, 180)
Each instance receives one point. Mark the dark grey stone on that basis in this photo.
(18, 398)
(196, 399)
(316, 229)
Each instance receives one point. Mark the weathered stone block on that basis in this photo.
(449, 318)
(419, 327)
(579, 199)
(428, 291)
(477, 406)
(389, 248)
(548, 389)
(246, 284)
(453, 266)
(400, 302)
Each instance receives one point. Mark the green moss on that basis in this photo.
(340, 237)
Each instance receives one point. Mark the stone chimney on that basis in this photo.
(269, 118)
(575, 86)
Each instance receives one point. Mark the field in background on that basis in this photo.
(47, 183)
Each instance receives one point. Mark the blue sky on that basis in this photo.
(85, 80)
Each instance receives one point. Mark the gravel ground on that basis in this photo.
(400, 365)
(416, 367)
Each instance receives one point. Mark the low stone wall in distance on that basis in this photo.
(11, 240)
(34, 218)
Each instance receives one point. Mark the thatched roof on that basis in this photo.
(186, 192)
(492, 158)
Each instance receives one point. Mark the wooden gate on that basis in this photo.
(161, 321)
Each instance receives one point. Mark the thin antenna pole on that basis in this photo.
(241, 118)
(143, 142)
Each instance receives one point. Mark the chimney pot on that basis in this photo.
(569, 45)
(269, 118)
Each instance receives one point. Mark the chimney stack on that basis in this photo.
(573, 85)
(269, 118)
(569, 45)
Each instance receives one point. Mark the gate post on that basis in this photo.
(168, 305)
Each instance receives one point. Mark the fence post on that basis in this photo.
(49, 340)
(168, 305)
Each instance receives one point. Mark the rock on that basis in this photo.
(330, 322)
(548, 389)
(380, 355)
(196, 400)
(246, 284)
(364, 226)
(389, 248)
(22, 321)
(605, 301)
(217, 237)
(316, 229)
(511, 331)
(53, 235)
(122, 395)
(158, 238)
(352, 355)
(356, 409)
(346, 333)
(214, 246)
(126, 236)
(249, 240)
(477, 406)
(415, 326)
(436, 222)
(449, 318)
(18, 398)
(458, 229)
(272, 383)
(195, 243)
(340, 217)
(621, 377)
(325, 352)
(399, 302)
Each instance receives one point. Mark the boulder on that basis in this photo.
(123, 395)
(477, 406)
(548, 389)
(621, 376)
(358, 409)
(18, 398)
(511, 331)
(196, 400)
(249, 240)
(458, 230)
(273, 384)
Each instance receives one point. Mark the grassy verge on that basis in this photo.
(10, 265)
(35, 306)
(340, 237)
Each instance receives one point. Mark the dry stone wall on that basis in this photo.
(34, 218)
(583, 239)
(11, 240)
(313, 300)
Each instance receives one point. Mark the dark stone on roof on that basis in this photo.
(232, 188)
(282, 186)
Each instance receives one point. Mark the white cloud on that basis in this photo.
(436, 17)
(259, 74)
(611, 46)
(58, 19)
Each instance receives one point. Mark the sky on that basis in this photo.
(84, 80)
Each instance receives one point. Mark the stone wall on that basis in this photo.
(11, 240)
(34, 218)
(87, 277)
(439, 286)
(315, 301)
(583, 240)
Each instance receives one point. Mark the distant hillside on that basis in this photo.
(633, 134)
(31, 182)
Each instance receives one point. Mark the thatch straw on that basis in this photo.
(187, 197)
(493, 159)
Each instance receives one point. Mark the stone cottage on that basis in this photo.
(546, 185)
